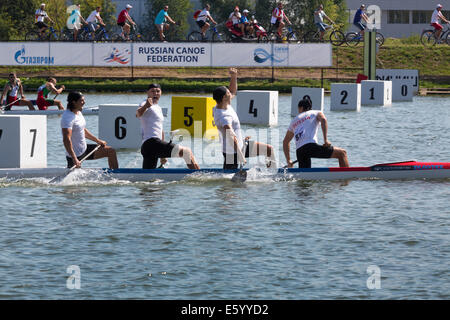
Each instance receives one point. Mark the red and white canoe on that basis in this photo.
(397, 170)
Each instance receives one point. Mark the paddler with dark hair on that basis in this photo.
(234, 148)
(153, 145)
(304, 128)
(12, 89)
(74, 134)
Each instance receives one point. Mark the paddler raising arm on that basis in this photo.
(234, 148)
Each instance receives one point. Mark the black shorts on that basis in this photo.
(312, 150)
(153, 149)
(234, 158)
(89, 148)
(41, 25)
(276, 24)
(201, 23)
(121, 24)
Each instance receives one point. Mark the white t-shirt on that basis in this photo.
(318, 16)
(436, 16)
(305, 126)
(202, 16)
(93, 17)
(277, 13)
(235, 18)
(77, 123)
(40, 15)
(229, 117)
(152, 122)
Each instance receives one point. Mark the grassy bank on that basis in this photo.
(172, 85)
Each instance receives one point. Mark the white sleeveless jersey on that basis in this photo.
(229, 117)
(152, 122)
(305, 126)
(14, 90)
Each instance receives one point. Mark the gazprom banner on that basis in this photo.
(165, 54)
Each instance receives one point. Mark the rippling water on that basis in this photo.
(208, 238)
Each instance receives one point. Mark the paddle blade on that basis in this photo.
(240, 176)
(60, 178)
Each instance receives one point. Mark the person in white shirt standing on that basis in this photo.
(94, 19)
(304, 128)
(235, 18)
(437, 15)
(40, 17)
(202, 20)
(74, 134)
(153, 145)
(234, 148)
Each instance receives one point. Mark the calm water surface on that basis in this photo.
(208, 238)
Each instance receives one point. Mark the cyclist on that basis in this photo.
(122, 19)
(437, 15)
(360, 15)
(93, 20)
(73, 22)
(40, 16)
(12, 88)
(235, 17)
(202, 18)
(278, 16)
(160, 22)
(247, 25)
(319, 14)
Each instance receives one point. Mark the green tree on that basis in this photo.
(17, 18)
(108, 10)
(179, 11)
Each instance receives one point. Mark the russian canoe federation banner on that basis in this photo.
(191, 54)
(165, 54)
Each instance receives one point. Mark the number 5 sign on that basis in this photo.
(187, 112)
(23, 141)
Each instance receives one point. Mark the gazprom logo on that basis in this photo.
(21, 58)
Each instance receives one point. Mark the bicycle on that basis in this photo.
(336, 37)
(50, 34)
(354, 38)
(169, 35)
(428, 37)
(134, 36)
(288, 34)
(100, 34)
(213, 34)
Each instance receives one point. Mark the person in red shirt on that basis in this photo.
(122, 22)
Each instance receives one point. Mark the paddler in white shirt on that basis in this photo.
(234, 148)
(153, 145)
(304, 128)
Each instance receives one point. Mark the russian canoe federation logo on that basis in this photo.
(117, 56)
(21, 58)
(280, 54)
